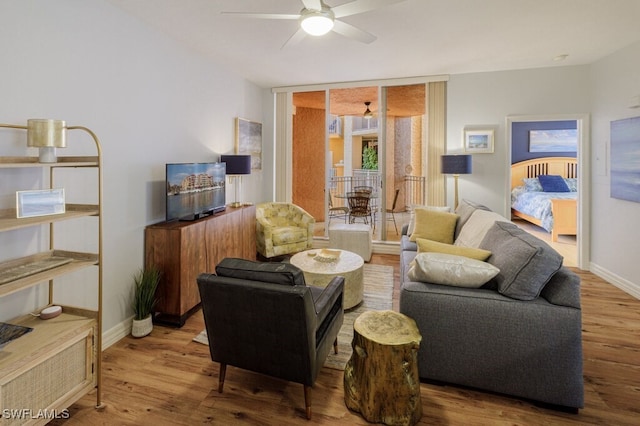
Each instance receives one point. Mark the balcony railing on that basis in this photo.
(414, 186)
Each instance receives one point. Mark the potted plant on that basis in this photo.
(146, 282)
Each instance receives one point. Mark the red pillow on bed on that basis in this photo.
(553, 183)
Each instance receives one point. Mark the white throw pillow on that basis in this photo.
(449, 269)
(474, 230)
(412, 214)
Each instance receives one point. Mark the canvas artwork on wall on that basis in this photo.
(556, 140)
(625, 159)
(249, 141)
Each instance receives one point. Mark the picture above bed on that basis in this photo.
(544, 192)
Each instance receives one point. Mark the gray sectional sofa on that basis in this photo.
(519, 334)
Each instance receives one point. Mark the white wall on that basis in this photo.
(149, 100)
(615, 242)
(603, 90)
(486, 99)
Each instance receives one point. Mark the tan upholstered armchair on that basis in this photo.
(282, 228)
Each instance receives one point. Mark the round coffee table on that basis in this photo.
(319, 273)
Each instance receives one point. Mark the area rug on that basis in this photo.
(378, 295)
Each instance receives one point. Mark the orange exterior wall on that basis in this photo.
(308, 161)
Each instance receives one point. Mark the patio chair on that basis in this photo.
(391, 211)
(359, 207)
(337, 211)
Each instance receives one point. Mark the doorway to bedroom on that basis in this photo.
(547, 197)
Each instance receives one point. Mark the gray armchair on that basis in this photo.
(262, 317)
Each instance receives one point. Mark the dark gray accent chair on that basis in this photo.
(262, 317)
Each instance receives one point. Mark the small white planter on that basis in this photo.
(141, 328)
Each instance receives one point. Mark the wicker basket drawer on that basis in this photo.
(42, 390)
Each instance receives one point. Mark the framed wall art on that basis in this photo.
(249, 141)
(553, 140)
(625, 159)
(478, 141)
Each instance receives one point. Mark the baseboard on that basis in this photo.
(610, 277)
(116, 333)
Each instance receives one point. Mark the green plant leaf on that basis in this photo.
(145, 285)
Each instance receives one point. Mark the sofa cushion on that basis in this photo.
(407, 245)
(563, 289)
(526, 263)
(449, 269)
(436, 247)
(465, 209)
(269, 272)
(553, 183)
(412, 214)
(434, 225)
(288, 235)
(476, 228)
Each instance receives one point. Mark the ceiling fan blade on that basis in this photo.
(295, 38)
(360, 6)
(261, 15)
(312, 4)
(350, 31)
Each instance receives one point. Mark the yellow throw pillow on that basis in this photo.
(435, 226)
(436, 247)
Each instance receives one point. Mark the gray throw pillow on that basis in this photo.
(526, 263)
(267, 272)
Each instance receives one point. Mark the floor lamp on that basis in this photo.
(236, 165)
(456, 165)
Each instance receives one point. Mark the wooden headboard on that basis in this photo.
(564, 166)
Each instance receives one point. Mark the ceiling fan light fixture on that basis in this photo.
(317, 22)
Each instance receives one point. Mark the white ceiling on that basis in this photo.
(414, 37)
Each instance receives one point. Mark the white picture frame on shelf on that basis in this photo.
(40, 202)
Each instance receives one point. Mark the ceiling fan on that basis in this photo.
(316, 18)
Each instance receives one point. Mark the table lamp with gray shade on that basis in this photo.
(236, 165)
(456, 165)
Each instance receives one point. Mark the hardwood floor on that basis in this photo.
(166, 379)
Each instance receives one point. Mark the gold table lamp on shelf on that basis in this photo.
(237, 166)
(456, 165)
(45, 134)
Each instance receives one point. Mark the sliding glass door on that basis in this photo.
(372, 136)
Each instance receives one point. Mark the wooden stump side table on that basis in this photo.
(381, 379)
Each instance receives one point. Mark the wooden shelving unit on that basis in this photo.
(58, 362)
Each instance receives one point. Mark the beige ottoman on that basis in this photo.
(353, 237)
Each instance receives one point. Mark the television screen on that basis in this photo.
(195, 190)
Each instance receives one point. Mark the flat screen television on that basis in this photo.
(195, 190)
